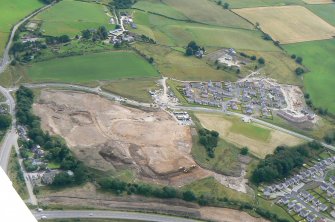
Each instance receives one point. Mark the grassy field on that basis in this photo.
(318, 1)
(179, 33)
(325, 11)
(208, 12)
(159, 8)
(225, 161)
(137, 89)
(318, 58)
(70, 17)
(289, 24)
(11, 11)
(91, 67)
(261, 3)
(13, 173)
(91, 220)
(278, 66)
(260, 140)
(175, 64)
(210, 187)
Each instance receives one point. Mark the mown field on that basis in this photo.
(208, 12)
(318, 57)
(261, 3)
(325, 11)
(12, 11)
(289, 24)
(260, 140)
(70, 17)
(136, 89)
(92, 67)
(179, 33)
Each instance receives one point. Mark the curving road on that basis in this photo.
(5, 58)
(110, 215)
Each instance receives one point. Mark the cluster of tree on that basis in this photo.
(209, 139)
(192, 48)
(267, 37)
(28, 165)
(117, 186)
(297, 59)
(299, 71)
(147, 39)
(51, 40)
(5, 121)
(281, 163)
(244, 151)
(122, 4)
(49, 1)
(120, 187)
(330, 138)
(56, 148)
(99, 34)
(225, 5)
(260, 60)
(24, 51)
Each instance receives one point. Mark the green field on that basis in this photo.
(70, 17)
(318, 57)
(92, 67)
(250, 130)
(136, 89)
(325, 11)
(225, 161)
(207, 12)
(261, 3)
(159, 8)
(12, 11)
(179, 33)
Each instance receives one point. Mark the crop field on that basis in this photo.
(174, 64)
(179, 33)
(260, 140)
(11, 11)
(159, 8)
(319, 59)
(86, 68)
(289, 24)
(261, 3)
(70, 17)
(208, 12)
(318, 1)
(136, 89)
(325, 11)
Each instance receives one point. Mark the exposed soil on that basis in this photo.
(106, 135)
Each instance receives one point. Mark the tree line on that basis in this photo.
(120, 187)
(282, 162)
(209, 139)
(55, 147)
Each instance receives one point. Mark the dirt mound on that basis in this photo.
(107, 135)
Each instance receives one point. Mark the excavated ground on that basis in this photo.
(106, 135)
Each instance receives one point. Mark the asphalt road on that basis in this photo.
(5, 58)
(111, 215)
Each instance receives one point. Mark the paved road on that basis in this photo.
(5, 58)
(261, 122)
(11, 136)
(187, 108)
(111, 215)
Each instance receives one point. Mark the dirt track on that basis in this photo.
(106, 135)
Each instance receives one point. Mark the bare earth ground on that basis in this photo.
(258, 147)
(88, 197)
(289, 24)
(106, 135)
(227, 215)
(318, 1)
